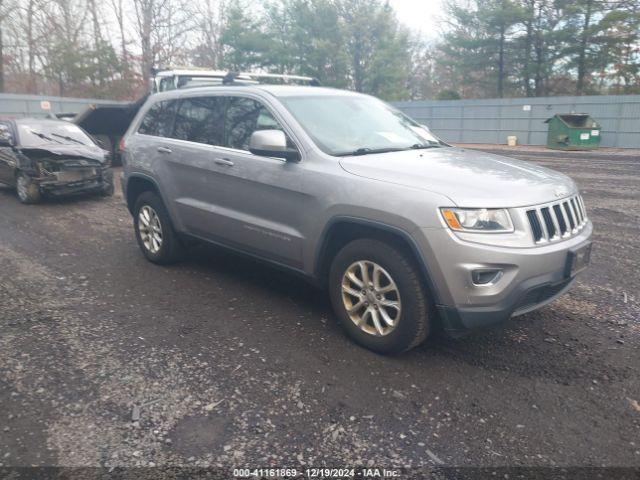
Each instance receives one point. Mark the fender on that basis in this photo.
(323, 243)
(143, 176)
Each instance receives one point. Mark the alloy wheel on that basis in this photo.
(371, 298)
(150, 229)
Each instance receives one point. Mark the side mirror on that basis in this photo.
(272, 143)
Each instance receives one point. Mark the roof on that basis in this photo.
(275, 90)
(38, 121)
(297, 90)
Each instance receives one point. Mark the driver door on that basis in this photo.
(264, 202)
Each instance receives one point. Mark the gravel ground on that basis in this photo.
(108, 360)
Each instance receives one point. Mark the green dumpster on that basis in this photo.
(573, 131)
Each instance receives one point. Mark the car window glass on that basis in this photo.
(158, 120)
(199, 119)
(243, 117)
(47, 132)
(6, 135)
(166, 84)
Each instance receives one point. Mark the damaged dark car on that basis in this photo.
(42, 157)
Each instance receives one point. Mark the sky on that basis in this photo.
(419, 15)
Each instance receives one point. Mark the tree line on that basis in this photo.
(485, 48)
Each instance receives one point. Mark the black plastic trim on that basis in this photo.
(323, 244)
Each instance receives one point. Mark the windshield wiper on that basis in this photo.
(420, 146)
(368, 151)
(43, 136)
(68, 138)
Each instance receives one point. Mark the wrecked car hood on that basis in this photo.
(67, 151)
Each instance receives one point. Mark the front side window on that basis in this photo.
(243, 117)
(357, 125)
(200, 119)
(158, 120)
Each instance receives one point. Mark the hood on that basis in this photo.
(67, 151)
(469, 178)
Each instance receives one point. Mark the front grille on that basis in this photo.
(540, 294)
(558, 220)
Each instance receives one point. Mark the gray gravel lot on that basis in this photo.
(230, 362)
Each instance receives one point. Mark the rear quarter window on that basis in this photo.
(159, 118)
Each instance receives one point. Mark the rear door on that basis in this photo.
(197, 180)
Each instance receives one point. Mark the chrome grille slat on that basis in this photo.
(562, 219)
(548, 222)
(584, 209)
(579, 209)
(543, 225)
(566, 211)
(575, 211)
(555, 221)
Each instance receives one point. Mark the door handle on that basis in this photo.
(224, 161)
(164, 150)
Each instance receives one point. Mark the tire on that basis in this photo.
(169, 249)
(410, 324)
(28, 191)
(108, 188)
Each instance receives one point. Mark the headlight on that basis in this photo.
(491, 220)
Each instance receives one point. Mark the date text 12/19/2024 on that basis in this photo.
(333, 473)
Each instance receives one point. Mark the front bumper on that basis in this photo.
(531, 278)
(53, 187)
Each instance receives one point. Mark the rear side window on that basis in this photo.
(243, 117)
(200, 119)
(158, 120)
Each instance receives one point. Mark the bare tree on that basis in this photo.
(119, 13)
(161, 26)
(210, 14)
(5, 10)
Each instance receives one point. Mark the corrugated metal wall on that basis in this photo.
(464, 121)
(15, 105)
(491, 121)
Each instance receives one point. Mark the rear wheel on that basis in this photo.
(378, 296)
(28, 191)
(154, 232)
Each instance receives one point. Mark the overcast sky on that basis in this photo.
(419, 15)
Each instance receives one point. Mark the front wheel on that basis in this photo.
(28, 191)
(378, 296)
(155, 234)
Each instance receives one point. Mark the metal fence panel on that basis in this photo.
(16, 105)
(492, 120)
(464, 121)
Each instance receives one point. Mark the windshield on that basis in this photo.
(52, 133)
(356, 125)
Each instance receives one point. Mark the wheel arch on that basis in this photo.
(138, 183)
(341, 230)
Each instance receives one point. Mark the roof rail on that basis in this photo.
(284, 77)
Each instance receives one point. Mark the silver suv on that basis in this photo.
(407, 233)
